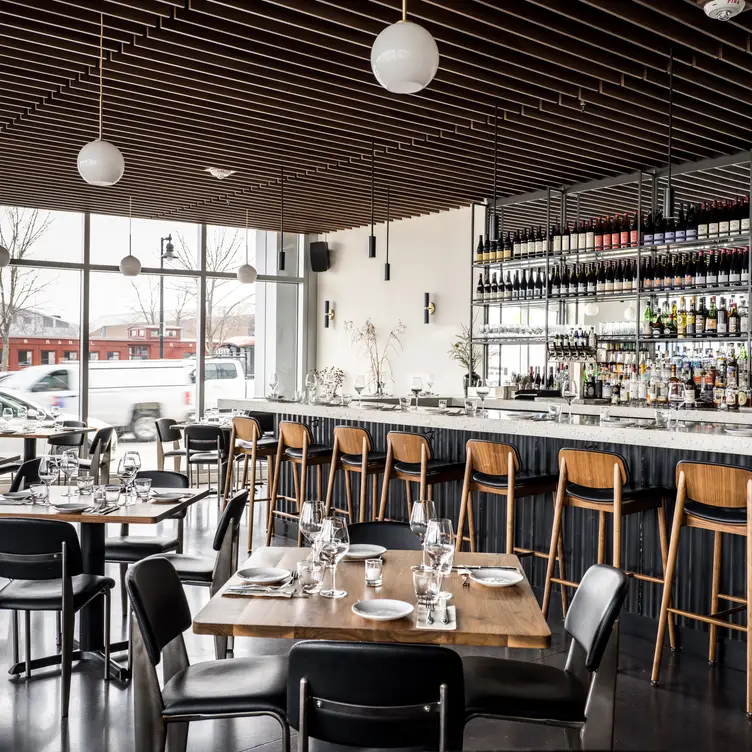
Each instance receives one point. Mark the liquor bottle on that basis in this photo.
(711, 321)
(724, 219)
(691, 318)
(743, 318)
(494, 289)
(733, 319)
(590, 236)
(722, 319)
(566, 239)
(690, 395)
(479, 251)
(659, 233)
(517, 245)
(691, 223)
(649, 230)
(647, 321)
(700, 319)
(681, 320)
(681, 226)
(480, 290)
(735, 225)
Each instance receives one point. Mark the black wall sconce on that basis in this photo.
(328, 314)
(429, 308)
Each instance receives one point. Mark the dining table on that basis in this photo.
(92, 536)
(485, 616)
(31, 435)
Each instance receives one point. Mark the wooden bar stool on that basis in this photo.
(717, 498)
(595, 480)
(353, 453)
(494, 467)
(409, 457)
(296, 447)
(247, 441)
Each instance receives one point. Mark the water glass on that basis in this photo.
(604, 415)
(554, 412)
(471, 407)
(112, 495)
(662, 417)
(98, 497)
(405, 403)
(346, 399)
(374, 572)
(310, 576)
(85, 484)
(142, 486)
(39, 493)
(427, 584)
(443, 404)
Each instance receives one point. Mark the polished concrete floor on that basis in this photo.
(696, 708)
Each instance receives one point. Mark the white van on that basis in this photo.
(130, 394)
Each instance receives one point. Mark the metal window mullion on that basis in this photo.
(201, 328)
(83, 332)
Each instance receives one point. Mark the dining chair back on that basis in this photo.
(713, 484)
(396, 536)
(413, 695)
(166, 430)
(71, 439)
(229, 522)
(199, 439)
(408, 447)
(591, 468)
(26, 475)
(99, 454)
(20, 538)
(164, 478)
(293, 435)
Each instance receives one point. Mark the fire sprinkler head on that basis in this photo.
(219, 172)
(722, 10)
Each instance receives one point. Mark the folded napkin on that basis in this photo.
(256, 591)
(421, 614)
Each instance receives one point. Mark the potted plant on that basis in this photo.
(468, 356)
(379, 364)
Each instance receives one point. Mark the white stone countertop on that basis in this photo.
(705, 432)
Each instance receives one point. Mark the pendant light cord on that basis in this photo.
(670, 111)
(130, 224)
(246, 236)
(404, 10)
(101, 81)
(373, 157)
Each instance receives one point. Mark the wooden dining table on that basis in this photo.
(92, 536)
(30, 437)
(501, 617)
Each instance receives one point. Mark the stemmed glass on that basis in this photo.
(310, 383)
(359, 385)
(439, 547)
(49, 471)
(421, 513)
(55, 412)
(332, 543)
(69, 466)
(482, 389)
(430, 379)
(416, 387)
(569, 392)
(7, 415)
(274, 384)
(127, 470)
(311, 519)
(23, 415)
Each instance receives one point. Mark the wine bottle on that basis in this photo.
(713, 221)
(609, 288)
(488, 296)
(733, 319)
(722, 319)
(572, 284)
(618, 277)
(516, 286)
(711, 320)
(591, 282)
(624, 232)
(649, 230)
(700, 318)
(724, 219)
(590, 236)
(479, 251)
(556, 284)
(701, 271)
(494, 289)
(681, 320)
(607, 234)
(677, 272)
(659, 233)
(480, 290)
(556, 239)
(702, 222)
(691, 318)
(634, 237)
(745, 267)
(646, 276)
(517, 245)
(530, 285)
(508, 250)
(670, 232)
(691, 229)
(681, 226)
(600, 283)
(711, 278)
(539, 285)
(668, 276)
(689, 271)
(724, 271)
(566, 239)
(508, 287)
(735, 225)
(538, 249)
(565, 282)
(598, 235)
(745, 215)
(582, 237)
(581, 281)
(615, 233)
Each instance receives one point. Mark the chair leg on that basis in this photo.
(714, 590)
(123, 592)
(14, 623)
(107, 607)
(663, 535)
(285, 735)
(348, 495)
(251, 504)
(601, 537)
(562, 573)
(573, 740)
(374, 495)
(273, 497)
(66, 662)
(27, 643)
(409, 497)
(555, 534)
(320, 483)
(58, 631)
(177, 737)
(471, 525)
(176, 464)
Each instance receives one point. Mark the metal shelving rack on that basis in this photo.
(637, 252)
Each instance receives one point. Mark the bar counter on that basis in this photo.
(651, 455)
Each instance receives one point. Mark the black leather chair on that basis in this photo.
(42, 558)
(205, 571)
(100, 452)
(125, 549)
(69, 440)
(394, 535)
(213, 689)
(579, 698)
(168, 434)
(27, 475)
(206, 445)
(376, 695)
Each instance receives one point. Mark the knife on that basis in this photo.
(475, 567)
(109, 510)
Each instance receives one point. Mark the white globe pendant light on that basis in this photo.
(4, 257)
(246, 273)
(404, 57)
(130, 266)
(100, 162)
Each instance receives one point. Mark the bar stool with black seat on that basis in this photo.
(580, 697)
(716, 498)
(125, 549)
(100, 454)
(353, 453)
(375, 696)
(247, 442)
(206, 446)
(204, 691)
(409, 457)
(168, 434)
(205, 571)
(42, 558)
(296, 446)
(589, 479)
(396, 536)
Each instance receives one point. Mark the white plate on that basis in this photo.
(496, 577)
(264, 575)
(732, 431)
(17, 494)
(382, 609)
(170, 494)
(71, 507)
(361, 551)
(616, 422)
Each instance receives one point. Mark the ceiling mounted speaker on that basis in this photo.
(722, 10)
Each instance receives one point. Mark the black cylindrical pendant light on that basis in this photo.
(492, 229)
(387, 269)
(372, 237)
(668, 197)
(281, 262)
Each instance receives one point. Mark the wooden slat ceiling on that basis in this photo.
(260, 85)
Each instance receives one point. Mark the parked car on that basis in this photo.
(130, 394)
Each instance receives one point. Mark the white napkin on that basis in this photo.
(254, 591)
(438, 613)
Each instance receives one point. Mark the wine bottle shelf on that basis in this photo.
(591, 254)
(625, 338)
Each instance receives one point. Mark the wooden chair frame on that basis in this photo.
(248, 430)
(294, 436)
(353, 440)
(176, 459)
(413, 448)
(496, 458)
(710, 489)
(592, 470)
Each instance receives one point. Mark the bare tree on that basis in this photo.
(223, 249)
(20, 229)
(147, 301)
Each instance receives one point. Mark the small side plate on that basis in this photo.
(263, 575)
(71, 507)
(362, 551)
(491, 577)
(382, 609)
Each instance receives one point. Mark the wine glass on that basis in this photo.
(430, 380)
(135, 456)
(332, 543)
(69, 467)
(482, 389)
(569, 392)
(23, 414)
(311, 519)
(439, 546)
(55, 412)
(359, 385)
(7, 415)
(416, 387)
(49, 471)
(274, 384)
(311, 383)
(127, 471)
(421, 513)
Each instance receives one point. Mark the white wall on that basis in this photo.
(427, 254)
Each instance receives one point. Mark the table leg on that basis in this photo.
(29, 449)
(91, 618)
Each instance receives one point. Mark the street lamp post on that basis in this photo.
(166, 253)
